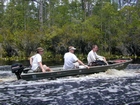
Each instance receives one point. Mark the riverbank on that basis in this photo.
(53, 61)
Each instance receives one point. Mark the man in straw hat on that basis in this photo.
(71, 61)
(36, 62)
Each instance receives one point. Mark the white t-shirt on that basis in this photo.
(36, 59)
(69, 59)
(93, 56)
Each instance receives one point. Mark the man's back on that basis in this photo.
(36, 58)
(69, 59)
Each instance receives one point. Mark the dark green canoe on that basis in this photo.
(59, 72)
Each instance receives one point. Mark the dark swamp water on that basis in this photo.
(113, 87)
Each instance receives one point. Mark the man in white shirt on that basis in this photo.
(93, 58)
(36, 62)
(71, 61)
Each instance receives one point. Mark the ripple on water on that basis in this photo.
(112, 87)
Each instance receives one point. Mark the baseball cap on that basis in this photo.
(72, 48)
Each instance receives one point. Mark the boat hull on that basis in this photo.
(59, 72)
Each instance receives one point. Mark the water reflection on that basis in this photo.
(26, 62)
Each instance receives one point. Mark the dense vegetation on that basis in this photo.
(57, 24)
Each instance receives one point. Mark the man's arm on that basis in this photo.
(31, 61)
(80, 62)
(102, 58)
(88, 58)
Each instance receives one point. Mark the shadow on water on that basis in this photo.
(137, 60)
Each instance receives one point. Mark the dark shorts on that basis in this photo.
(38, 70)
(98, 62)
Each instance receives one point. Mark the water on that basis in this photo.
(112, 87)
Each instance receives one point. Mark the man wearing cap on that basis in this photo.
(71, 61)
(36, 62)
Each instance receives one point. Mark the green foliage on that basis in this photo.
(77, 23)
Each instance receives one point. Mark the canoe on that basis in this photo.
(59, 72)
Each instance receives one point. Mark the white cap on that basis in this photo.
(72, 48)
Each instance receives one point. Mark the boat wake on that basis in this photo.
(110, 73)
